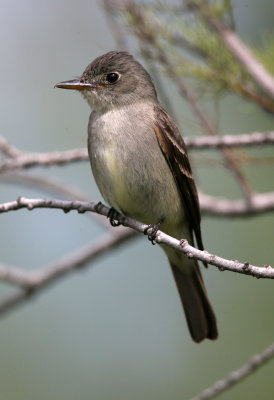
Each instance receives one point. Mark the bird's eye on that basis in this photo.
(112, 77)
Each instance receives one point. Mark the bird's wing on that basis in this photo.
(173, 147)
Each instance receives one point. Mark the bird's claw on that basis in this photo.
(151, 231)
(113, 215)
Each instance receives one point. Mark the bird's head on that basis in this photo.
(112, 80)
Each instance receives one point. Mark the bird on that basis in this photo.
(140, 164)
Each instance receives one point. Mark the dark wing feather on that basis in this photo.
(174, 150)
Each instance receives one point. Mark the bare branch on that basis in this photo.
(14, 300)
(8, 149)
(223, 264)
(248, 139)
(218, 206)
(49, 185)
(240, 51)
(190, 251)
(33, 281)
(210, 205)
(237, 376)
(27, 160)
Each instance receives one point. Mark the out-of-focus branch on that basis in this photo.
(231, 76)
(183, 245)
(8, 149)
(248, 139)
(27, 160)
(47, 184)
(240, 51)
(33, 281)
(258, 203)
(218, 206)
(237, 376)
(110, 11)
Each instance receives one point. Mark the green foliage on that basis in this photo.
(195, 51)
(265, 53)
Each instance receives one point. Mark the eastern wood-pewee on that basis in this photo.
(140, 164)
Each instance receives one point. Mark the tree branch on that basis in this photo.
(210, 205)
(237, 376)
(8, 149)
(218, 206)
(27, 160)
(248, 139)
(33, 281)
(50, 185)
(162, 238)
(240, 51)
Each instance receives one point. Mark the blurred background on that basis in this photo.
(116, 330)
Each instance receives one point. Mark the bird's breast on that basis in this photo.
(129, 167)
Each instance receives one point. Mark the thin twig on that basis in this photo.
(30, 279)
(237, 376)
(14, 300)
(111, 11)
(158, 81)
(162, 238)
(237, 47)
(33, 281)
(8, 149)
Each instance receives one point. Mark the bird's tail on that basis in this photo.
(199, 313)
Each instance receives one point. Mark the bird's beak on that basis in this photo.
(75, 84)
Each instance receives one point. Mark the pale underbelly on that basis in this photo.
(139, 188)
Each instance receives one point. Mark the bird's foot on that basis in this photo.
(151, 231)
(113, 215)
